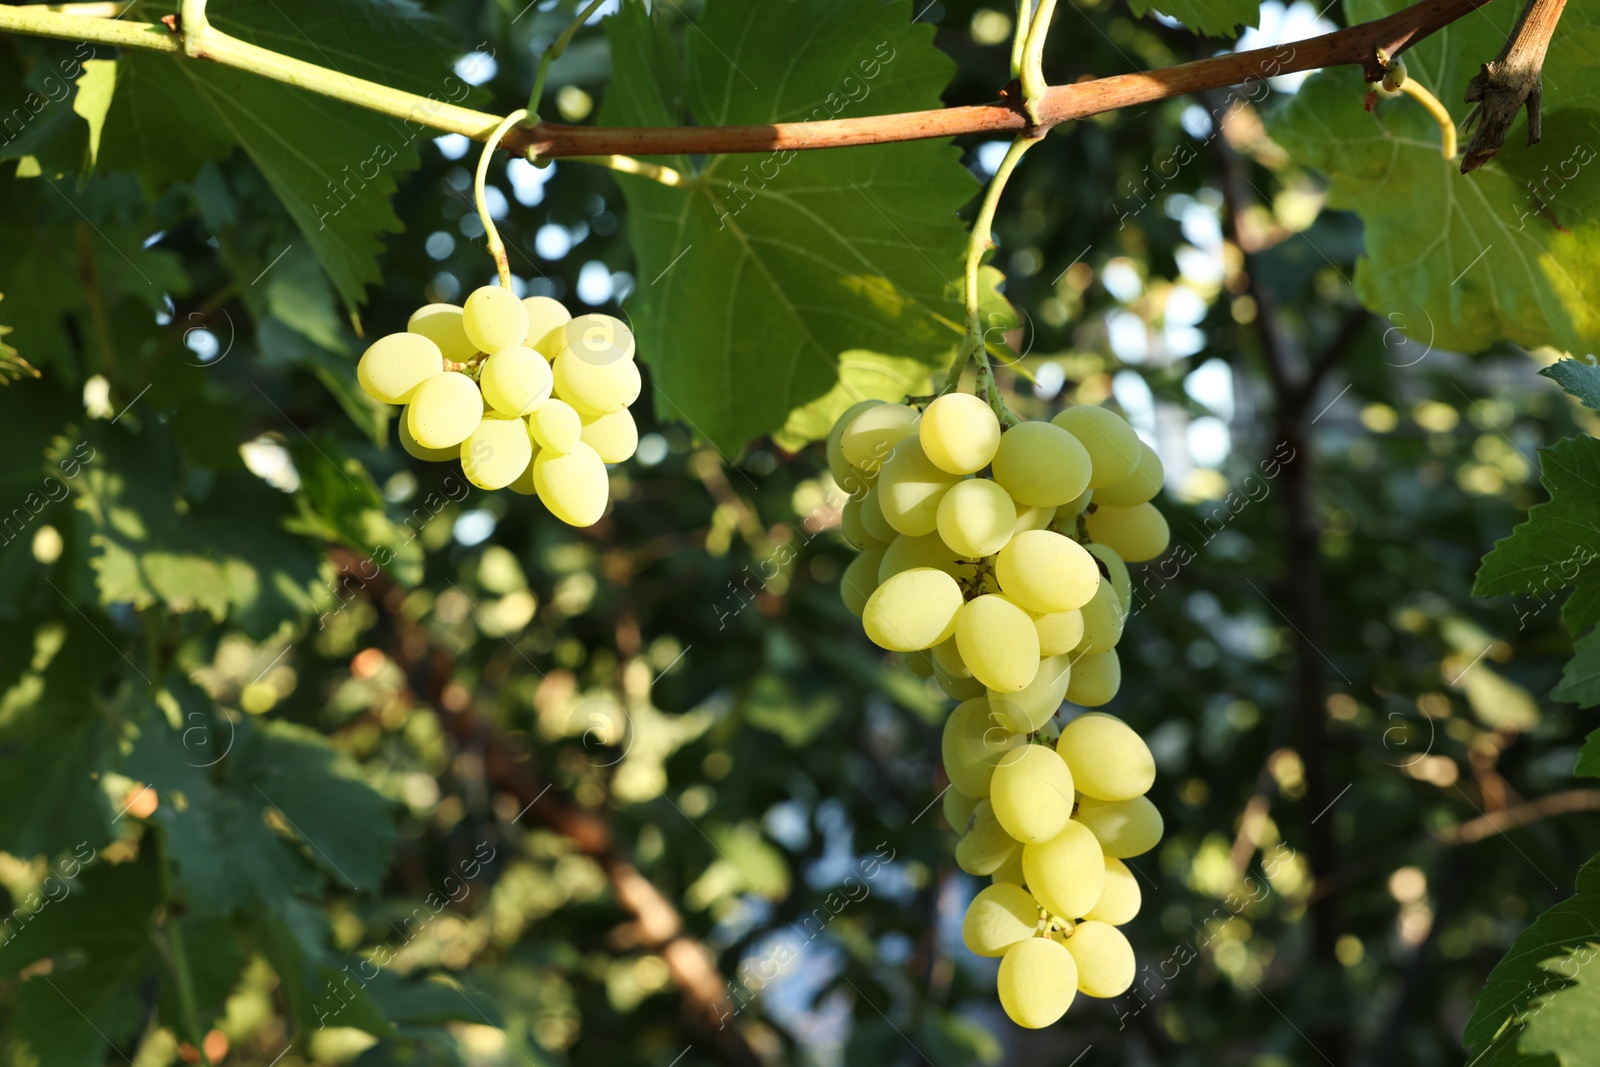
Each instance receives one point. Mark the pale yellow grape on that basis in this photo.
(515, 381)
(1109, 760)
(1033, 519)
(1009, 872)
(998, 917)
(393, 368)
(1059, 631)
(494, 319)
(913, 610)
(556, 427)
(872, 435)
(441, 324)
(846, 477)
(1142, 485)
(958, 688)
(958, 809)
(1095, 679)
(1042, 571)
(976, 518)
(947, 657)
(973, 744)
(595, 339)
(445, 410)
(1030, 709)
(1067, 872)
(409, 443)
(523, 484)
(1103, 619)
(1136, 534)
(597, 388)
(615, 436)
(545, 316)
(927, 551)
(1067, 514)
(1104, 958)
(1124, 828)
(910, 488)
(1112, 567)
(854, 530)
(496, 452)
(860, 581)
(1031, 794)
(872, 518)
(1120, 899)
(1037, 981)
(1112, 445)
(998, 641)
(985, 845)
(1041, 465)
(573, 486)
(918, 663)
(960, 433)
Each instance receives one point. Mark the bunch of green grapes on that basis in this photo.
(995, 561)
(523, 394)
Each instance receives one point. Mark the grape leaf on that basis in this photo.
(1214, 18)
(1589, 757)
(334, 166)
(1580, 678)
(1507, 253)
(1578, 377)
(1561, 537)
(758, 277)
(1565, 1021)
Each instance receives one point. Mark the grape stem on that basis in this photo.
(1020, 40)
(1034, 86)
(491, 235)
(553, 53)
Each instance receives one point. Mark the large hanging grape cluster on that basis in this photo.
(996, 563)
(526, 396)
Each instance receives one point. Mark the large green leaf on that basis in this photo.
(1564, 1022)
(771, 275)
(1507, 253)
(1561, 536)
(334, 166)
(1578, 377)
(1215, 18)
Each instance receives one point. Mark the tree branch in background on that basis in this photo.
(1510, 82)
(1515, 818)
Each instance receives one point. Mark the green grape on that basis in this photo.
(573, 486)
(1059, 631)
(1009, 872)
(409, 443)
(523, 484)
(545, 316)
(1112, 567)
(496, 452)
(1104, 958)
(947, 657)
(913, 610)
(860, 580)
(1033, 519)
(1030, 709)
(1120, 899)
(1109, 760)
(1103, 619)
(494, 318)
(515, 381)
(599, 340)
(556, 427)
(959, 688)
(1041, 465)
(854, 530)
(1124, 828)
(927, 551)
(1037, 981)
(1067, 872)
(998, 917)
(615, 436)
(1031, 794)
(445, 411)
(873, 520)
(1068, 513)
(441, 324)
(846, 477)
(918, 663)
(958, 809)
(1142, 485)
(999, 643)
(960, 433)
(910, 488)
(976, 518)
(1136, 534)
(985, 845)
(1044, 572)
(596, 388)
(1394, 75)
(1112, 445)
(1095, 679)
(973, 744)
(872, 435)
(393, 368)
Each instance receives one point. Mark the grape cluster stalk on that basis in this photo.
(524, 395)
(995, 561)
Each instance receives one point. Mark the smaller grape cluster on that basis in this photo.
(995, 561)
(523, 394)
